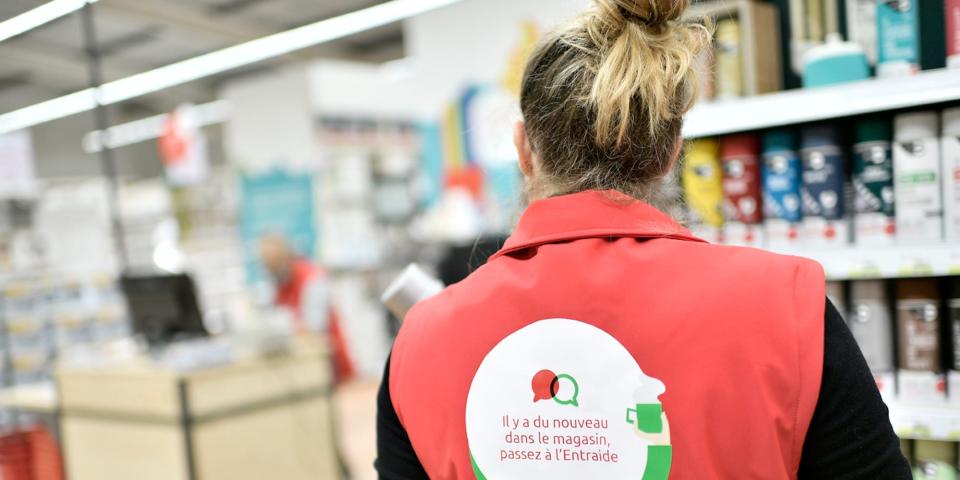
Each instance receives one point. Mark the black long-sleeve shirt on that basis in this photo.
(849, 438)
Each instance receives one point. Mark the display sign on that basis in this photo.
(17, 177)
(276, 202)
(183, 148)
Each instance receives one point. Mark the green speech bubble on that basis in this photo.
(576, 391)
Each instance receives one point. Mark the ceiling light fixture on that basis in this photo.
(150, 128)
(38, 16)
(227, 59)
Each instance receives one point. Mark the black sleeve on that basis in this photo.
(850, 436)
(396, 459)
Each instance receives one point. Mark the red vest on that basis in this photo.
(604, 339)
(290, 295)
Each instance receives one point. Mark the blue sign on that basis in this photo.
(276, 202)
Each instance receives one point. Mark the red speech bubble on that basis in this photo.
(544, 385)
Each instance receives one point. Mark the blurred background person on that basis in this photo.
(302, 287)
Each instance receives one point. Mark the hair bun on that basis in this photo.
(650, 12)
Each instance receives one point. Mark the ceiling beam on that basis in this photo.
(60, 72)
(191, 19)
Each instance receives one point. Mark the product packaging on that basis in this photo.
(875, 220)
(781, 191)
(706, 66)
(822, 193)
(916, 164)
(729, 58)
(872, 326)
(950, 175)
(898, 37)
(918, 322)
(834, 62)
(952, 15)
(862, 26)
(703, 186)
(953, 316)
(742, 190)
(814, 19)
(934, 460)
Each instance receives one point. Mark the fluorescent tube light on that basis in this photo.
(43, 14)
(46, 111)
(152, 127)
(240, 55)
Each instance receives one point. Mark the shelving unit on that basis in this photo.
(816, 104)
(941, 422)
(861, 263)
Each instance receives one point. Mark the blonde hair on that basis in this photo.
(603, 98)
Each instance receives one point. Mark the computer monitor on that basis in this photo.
(163, 308)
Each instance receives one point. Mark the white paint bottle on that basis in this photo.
(916, 165)
(950, 174)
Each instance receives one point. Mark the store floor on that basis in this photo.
(357, 412)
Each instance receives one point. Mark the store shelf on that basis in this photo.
(810, 105)
(926, 422)
(34, 397)
(859, 263)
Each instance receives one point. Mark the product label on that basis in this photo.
(703, 185)
(822, 188)
(919, 207)
(562, 399)
(729, 61)
(870, 325)
(742, 189)
(781, 186)
(873, 193)
(898, 26)
(862, 25)
(919, 332)
(873, 178)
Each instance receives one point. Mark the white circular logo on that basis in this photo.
(562, 399)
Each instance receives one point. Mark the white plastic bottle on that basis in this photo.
(950, 174)
(916, 165)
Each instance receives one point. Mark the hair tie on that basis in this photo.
(634, 17)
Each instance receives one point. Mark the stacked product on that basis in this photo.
(950, 168)
(904, 186)
(871, 324)
(920, 379)
(934, 460)
(39, 318)
(874, 221)
(911, 340)
(953, 318)
(742, 189)
(703, 186)
(822, 191)
(916, 163)
(781, 190)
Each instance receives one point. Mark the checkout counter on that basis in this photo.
(255, 418)
(250, 406)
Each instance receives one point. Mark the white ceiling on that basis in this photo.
(136, 35)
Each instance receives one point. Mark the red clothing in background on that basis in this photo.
(290, 295)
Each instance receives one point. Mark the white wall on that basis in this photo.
(471, 42)
(357, 90)
(270, 123)
(448, 49)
